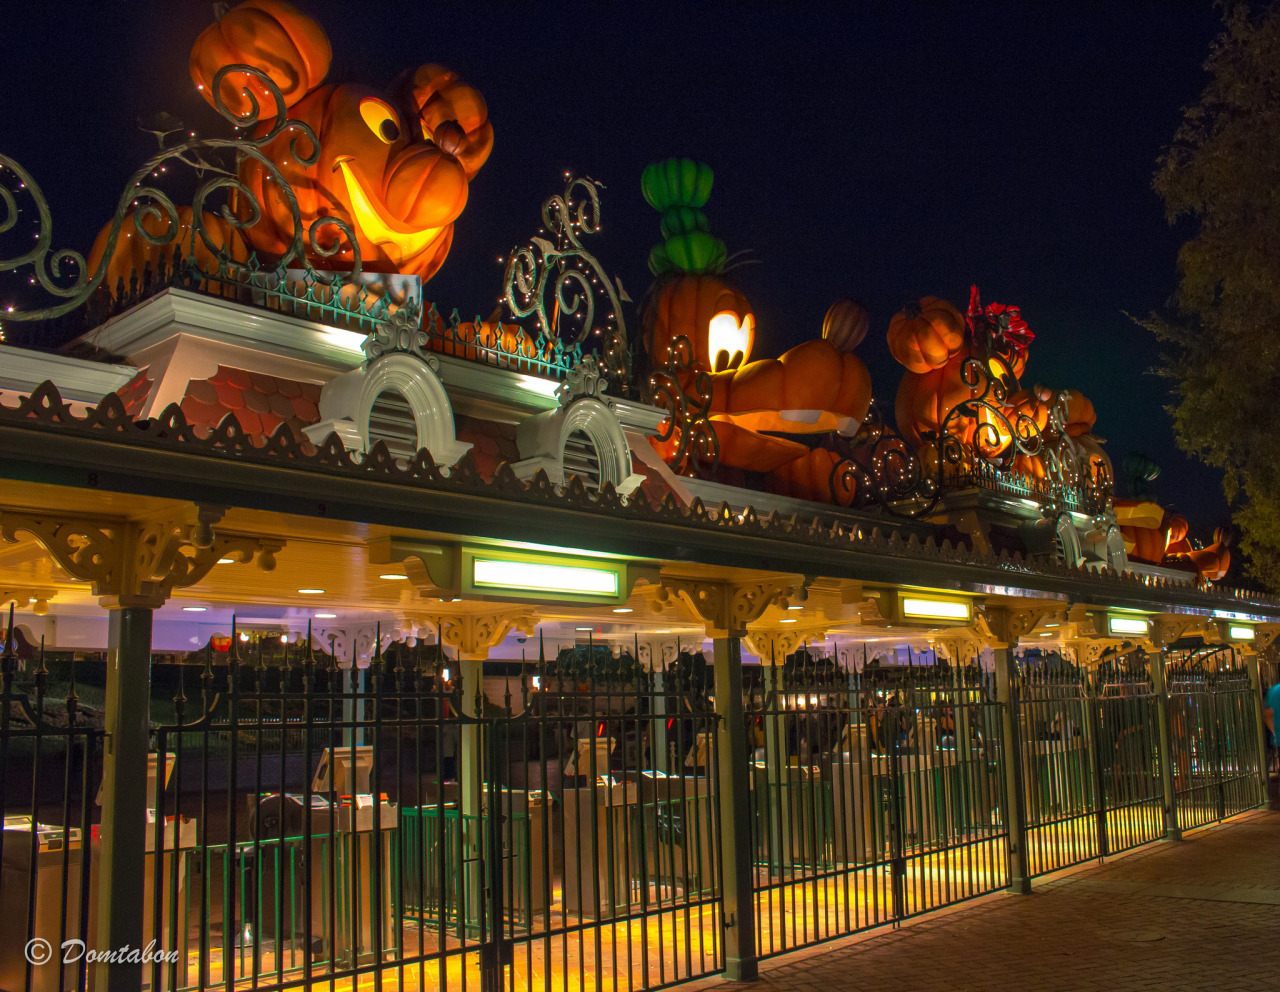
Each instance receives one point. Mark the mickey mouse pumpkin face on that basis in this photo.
(395, 167)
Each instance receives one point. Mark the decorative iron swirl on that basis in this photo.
(881, 468)
(561, 285)
(684, 391)
(155, 209)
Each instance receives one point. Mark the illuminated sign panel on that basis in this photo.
(1240, 633)
(1127, 625)
(919, 607)
(528, 576)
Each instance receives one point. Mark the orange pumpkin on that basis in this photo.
(845, 324)
(924, 400)
(926, 335)
(1033, 467)
(270, 35)
(809, 477)
(741, 447)
(810, 389)
(133, 252)
(479, 342)
(1032, 404)
(713, 316)
(397, 175)
(1080, 413)
(1212, 562)
(1097, 461)
(439, 96)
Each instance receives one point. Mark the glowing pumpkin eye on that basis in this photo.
(381, 119)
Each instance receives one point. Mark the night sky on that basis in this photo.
(884, 155)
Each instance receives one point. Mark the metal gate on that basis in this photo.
(327, 823)
(875, 796)
(1060, 777)
(1090, 758)
(50, 762)
(1126, 738)
(1214, 729)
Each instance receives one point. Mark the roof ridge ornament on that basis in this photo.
(400, 332)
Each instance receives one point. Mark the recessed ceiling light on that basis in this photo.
(788, 621)
(194, 609)
(1051, 625)
(226, 561)
(584, 628)
(800, 607)
(623, 609)
(392, 575)
(1046, 634)
(311, 592)
(325, 616)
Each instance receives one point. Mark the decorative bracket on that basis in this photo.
(132, 563)
(37, 599)
(726, 608)
(1168, 628)
(1090, 649)
(1004, 626)
(472, 635)
(773, 644)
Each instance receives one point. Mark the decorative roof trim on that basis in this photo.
(45, 411)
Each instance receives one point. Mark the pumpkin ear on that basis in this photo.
(439, 98)
(269, 35)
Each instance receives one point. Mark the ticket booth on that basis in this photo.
(597, 836)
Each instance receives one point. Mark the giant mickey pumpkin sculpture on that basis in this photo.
(395, 166)
(814, 388)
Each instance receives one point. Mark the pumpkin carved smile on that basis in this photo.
(407, 239)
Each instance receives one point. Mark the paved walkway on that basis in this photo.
(1203, 914)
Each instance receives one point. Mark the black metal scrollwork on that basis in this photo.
(154, 216)
(684, 391)
(555, 280)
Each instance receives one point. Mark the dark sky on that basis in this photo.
(879, 152)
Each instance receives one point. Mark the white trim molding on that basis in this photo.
(21, 370)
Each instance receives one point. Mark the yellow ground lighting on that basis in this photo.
(935, 609)
(527, 576)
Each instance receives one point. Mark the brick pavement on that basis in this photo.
(1200, 915)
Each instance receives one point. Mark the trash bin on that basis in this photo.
(20, 863)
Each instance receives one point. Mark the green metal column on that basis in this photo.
(1164, 745)
(776, 803)
(1014, 799)
(659, 748)
(735, 813)
(122, 900)
(471, 788)
(1255, 680)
